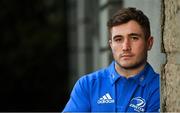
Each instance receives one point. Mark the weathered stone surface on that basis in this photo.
(170, 79)
(172, 72)
(172, 26)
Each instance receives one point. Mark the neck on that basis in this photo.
(129, 72)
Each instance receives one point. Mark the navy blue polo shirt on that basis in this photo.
(107, 91)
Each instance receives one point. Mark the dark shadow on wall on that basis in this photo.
(33, 55)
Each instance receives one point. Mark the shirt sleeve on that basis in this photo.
(79, 99)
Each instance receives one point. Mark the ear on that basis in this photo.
(110, 43)
(150, 42)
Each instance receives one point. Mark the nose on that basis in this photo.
(126, 45)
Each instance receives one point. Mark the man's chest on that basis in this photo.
(120, 97)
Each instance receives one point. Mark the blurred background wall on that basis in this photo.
(46, 45)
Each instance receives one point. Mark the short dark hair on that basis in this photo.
(124, 15)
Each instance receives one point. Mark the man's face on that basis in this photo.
(128, 45)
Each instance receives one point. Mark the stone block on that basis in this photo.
(172, 93)
(171, 26)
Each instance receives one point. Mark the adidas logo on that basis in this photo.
(105, 99)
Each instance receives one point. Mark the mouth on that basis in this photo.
(126, 56)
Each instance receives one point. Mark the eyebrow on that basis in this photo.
(135, 34)
(116, 36)
(131, 34)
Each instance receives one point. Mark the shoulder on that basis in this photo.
(153, 82)
(153, 92)
(152, 78)
(86, 83)
(94, 76)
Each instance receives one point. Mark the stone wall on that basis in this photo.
(170, 79)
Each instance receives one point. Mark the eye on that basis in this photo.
(134, 38)
(119, 39)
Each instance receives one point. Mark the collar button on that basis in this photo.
(113, 76)
(142, 78)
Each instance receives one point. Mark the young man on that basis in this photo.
(129, 84)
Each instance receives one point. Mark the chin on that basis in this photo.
(130, 65)
(125, 65)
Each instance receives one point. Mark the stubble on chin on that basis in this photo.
(130, 66)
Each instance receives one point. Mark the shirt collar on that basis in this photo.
(113, 75)
(141, 78)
